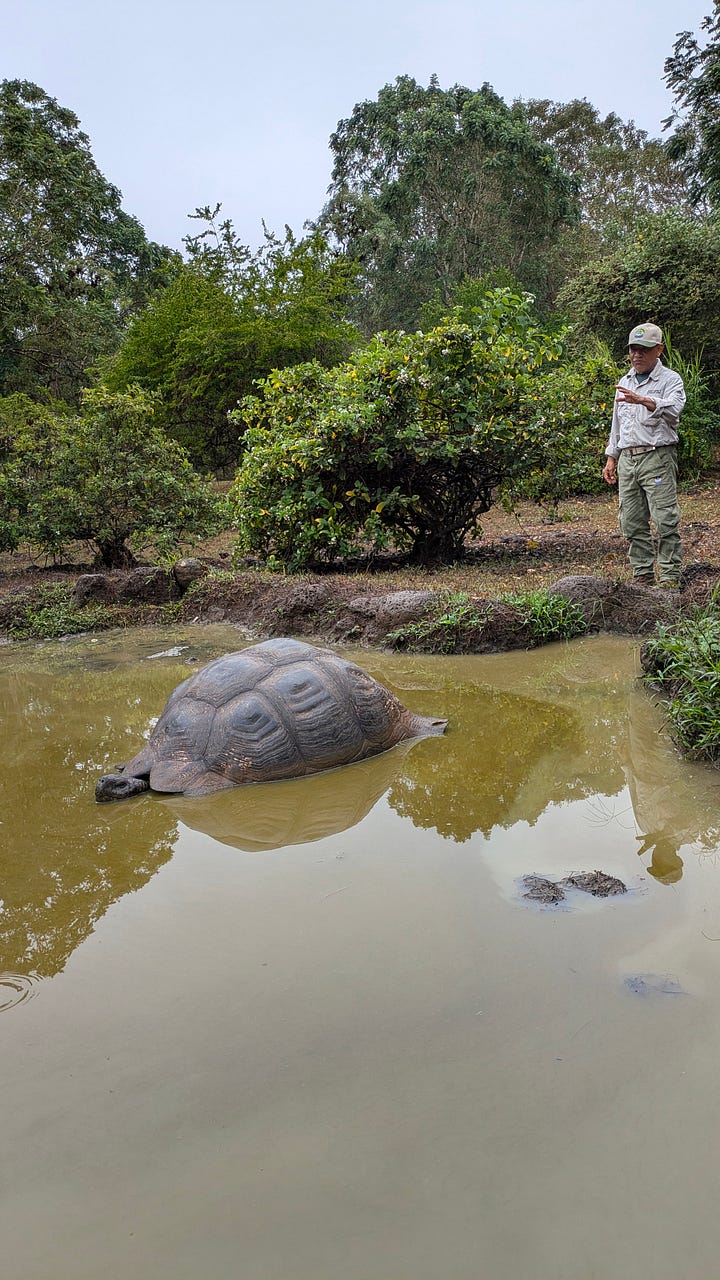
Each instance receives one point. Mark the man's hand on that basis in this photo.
(610, 471)
(632, 397)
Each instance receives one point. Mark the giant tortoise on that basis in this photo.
(280, 709)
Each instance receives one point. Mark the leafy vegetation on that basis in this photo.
(446, 207)
(547, 615)
(49, 612)
(573, 404)
(692, 73)
(109, 478)
(73, 265)
(405, 445)
(700, 421)
(667, 270)
(446, 626)
(683, 661)
(619, 171)
(454, 620)
(227, 318)
(431, 185)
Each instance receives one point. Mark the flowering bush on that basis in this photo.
(405, 445)
(573, 404)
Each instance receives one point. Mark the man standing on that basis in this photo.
(642, 456)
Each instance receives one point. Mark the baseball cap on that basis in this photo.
(645, 335)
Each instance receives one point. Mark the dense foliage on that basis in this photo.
(73, 264)
(228, 317)
(445, 207)
(620, 173)
(406, 444)
(668, 271)
(573, 405)
(692, 74)
(431, 185)
(619, 170)
(108, 477)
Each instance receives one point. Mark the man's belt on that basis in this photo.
(640, 448)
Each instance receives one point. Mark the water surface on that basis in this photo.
(312, 1030)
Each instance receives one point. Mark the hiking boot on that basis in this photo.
(668, 586)
(644, 579)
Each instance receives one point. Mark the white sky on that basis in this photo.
(188, 103)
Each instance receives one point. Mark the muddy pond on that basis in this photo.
(313, 1030)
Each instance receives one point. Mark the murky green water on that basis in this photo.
(311, 1031)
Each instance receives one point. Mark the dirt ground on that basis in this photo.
(518, 551)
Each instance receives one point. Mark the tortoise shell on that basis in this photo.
(280, 709)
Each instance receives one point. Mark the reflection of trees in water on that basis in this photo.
(64, 859)
(504, 759)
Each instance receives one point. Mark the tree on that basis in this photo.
(108, 478)
(228, 317)
(432, 185)
(619, 170)
(668, 271)
(692, 74)
(73, 264)
(620, 173)
(405, 445)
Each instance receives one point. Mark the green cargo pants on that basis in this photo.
(647, 484)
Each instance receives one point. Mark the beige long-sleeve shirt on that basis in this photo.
(633, 424)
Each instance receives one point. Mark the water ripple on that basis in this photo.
(16, 988)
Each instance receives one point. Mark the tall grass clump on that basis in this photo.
(682, 660)
(699, 423)
(547, 616)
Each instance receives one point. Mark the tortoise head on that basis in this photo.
(118, 786)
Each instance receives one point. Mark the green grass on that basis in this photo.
(547, 616)
(49, 612)
(682, 660)
(444, 627)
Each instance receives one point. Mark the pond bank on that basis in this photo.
(333, 608)
(364, 603)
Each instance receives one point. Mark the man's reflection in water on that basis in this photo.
(666, 864)
(672, 800)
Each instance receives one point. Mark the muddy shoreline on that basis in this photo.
(338, 609)
(582, 555)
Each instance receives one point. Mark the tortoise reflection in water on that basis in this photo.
(280, 709)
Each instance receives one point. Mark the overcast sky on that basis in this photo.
(190, 102)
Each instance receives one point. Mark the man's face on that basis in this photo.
(644, 359)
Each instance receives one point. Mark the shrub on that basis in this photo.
(109, 478)
(699, 423)
(404, 445)
(573, 403)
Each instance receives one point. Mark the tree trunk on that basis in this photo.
(114, 554)
(438, 546)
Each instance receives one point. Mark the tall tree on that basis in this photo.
(228, 317)
(620, 171)
(432, 185)
(73, 264)
(693, 76)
